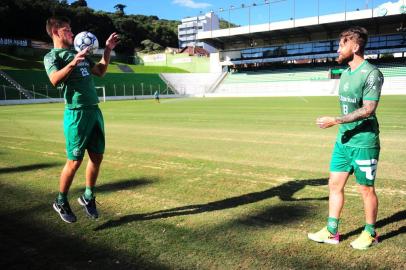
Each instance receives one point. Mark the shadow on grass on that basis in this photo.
(31, 167)
(12, 62)
(117, 185)
(284, 192)
(27, 245)
(275, 215)
(397, 217)
(32, 236)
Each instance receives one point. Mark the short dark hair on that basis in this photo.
(56, 22)
(358, 34)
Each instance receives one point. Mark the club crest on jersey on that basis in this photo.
(346, 87)
(371, 81)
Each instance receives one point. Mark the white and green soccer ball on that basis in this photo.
(86, 39)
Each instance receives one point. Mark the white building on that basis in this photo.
(187, 31)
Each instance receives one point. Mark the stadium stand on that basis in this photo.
(289, 58)
(125, 68)
(130, 84)
(115, 84)
(395, 69)
(297, 74)
(297, 56)
(15, 85)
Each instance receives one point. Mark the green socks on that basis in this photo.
(332, 225)
(89, 193)
(62, 197)
(370, 228)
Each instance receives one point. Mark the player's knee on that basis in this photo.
(96, 158)
(366, 190)
(335, 187)
(74, 164)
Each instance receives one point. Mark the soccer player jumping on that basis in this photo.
(83, 120)
(357, 146)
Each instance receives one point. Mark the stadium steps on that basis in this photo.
(217, 83)
(307, 74)
(192, 84)
(393, 69)
(125, 68)
(279, 88)
(168, 83)
(15, 84)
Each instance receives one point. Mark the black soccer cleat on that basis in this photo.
(64, 211)
(89, 206)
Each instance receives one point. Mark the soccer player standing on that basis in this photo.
(156, 96)
(357, 146)
(83, 120)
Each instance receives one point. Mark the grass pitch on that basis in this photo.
(219, 183)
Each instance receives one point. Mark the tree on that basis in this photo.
(120, 9)
(79, 3)
(150, 46)
(15, 16)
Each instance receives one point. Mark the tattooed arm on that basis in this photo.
(368, 109)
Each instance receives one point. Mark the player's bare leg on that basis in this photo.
(329, 234)
(370, 203)
(368, 236)
(87, 200)
(336, 185)
(92, 169)
(67, 175)
(61, 204)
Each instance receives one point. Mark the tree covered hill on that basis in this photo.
(26, 19)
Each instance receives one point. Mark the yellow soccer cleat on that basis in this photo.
(364, 241)
(324, 236)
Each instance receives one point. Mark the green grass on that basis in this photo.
(221, 183)
(8, 61)
(113, 68)
(12, 62)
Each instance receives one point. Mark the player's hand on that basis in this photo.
(112, 41)
(326, 121)
(80, 56)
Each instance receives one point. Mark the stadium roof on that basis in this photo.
(300, 30)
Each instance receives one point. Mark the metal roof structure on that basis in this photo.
(302, 30)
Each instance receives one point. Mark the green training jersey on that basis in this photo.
(363, 83)
(79, 90)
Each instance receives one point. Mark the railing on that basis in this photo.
(51, 94)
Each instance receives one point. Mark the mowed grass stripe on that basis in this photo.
(197, 184)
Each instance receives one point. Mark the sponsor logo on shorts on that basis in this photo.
(369, 167)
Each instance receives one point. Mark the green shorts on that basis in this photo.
(83, 129)
(362, 162)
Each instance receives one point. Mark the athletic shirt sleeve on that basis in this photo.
(50, 63)
(373, 85)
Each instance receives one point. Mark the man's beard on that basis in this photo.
(68, 43)
(346, 60)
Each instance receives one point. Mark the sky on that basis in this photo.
(254, 11)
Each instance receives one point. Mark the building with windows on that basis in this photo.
(309, 39)
(187, 31)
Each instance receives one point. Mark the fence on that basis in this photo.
(48, 92)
